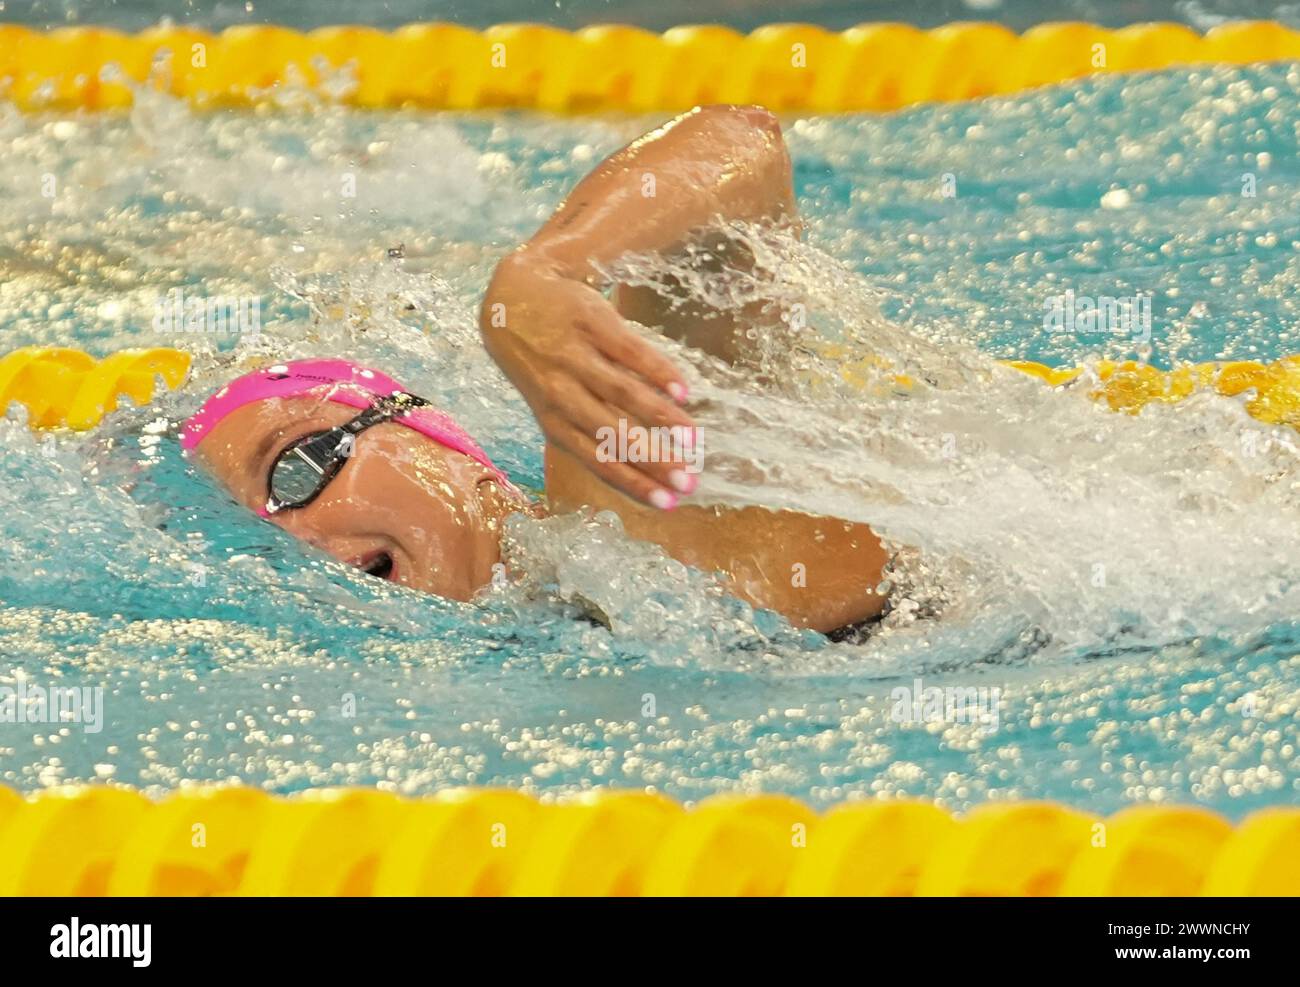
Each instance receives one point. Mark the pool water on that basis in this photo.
(1126, 587)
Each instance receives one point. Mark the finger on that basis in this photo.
(627, 392)
(668, 456)
(662, 453)
(622, 477)
(610, 334)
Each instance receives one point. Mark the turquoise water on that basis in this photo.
(1129, 585)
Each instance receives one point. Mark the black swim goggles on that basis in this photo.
(305, 467)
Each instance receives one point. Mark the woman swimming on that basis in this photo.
(347, 459)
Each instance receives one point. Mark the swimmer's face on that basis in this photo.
(404, 507)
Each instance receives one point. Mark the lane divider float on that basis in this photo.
(230, 840)
(66, 388)
(603, 68)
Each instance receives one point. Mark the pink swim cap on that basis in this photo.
(346, 383)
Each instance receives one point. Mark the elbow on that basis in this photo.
(762, 120)
(492, 311)
(755, 121)
(753, 131)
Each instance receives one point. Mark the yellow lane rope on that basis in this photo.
(240, 841)
(787, 67)
(67, 388)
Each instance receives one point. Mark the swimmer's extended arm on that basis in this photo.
(567, 339)
(817, 572)
(563, 344)
(713, 162)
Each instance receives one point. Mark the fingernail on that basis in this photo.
(678, 392)
(682, 481)
(663, 499)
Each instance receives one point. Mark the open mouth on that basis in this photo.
(379, 565)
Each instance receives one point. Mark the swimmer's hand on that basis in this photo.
(581, 369)
(572, 356)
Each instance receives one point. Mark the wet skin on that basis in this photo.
(406, 509)
(403, 507)
(437, 515)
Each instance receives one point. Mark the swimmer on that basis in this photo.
(347, 459)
